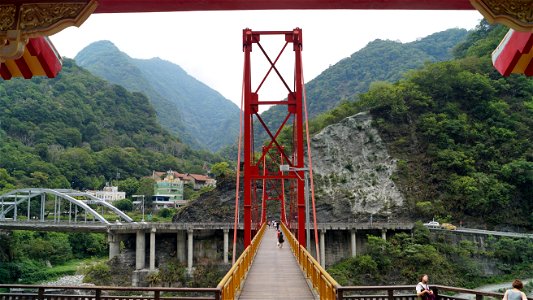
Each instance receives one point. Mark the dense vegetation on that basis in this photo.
(170, 274)
(79, 131)
(462, 135)
(29, 257)
(199, 115)
(379, 60)
(403, 258)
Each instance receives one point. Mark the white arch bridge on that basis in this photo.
(57, 206)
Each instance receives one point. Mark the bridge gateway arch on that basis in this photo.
(27, 52)
(66, 202)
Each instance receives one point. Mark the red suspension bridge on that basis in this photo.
(276, 172)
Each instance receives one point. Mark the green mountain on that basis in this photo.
(79, 131)
(380, 60)
(461, 134)
(199, 115)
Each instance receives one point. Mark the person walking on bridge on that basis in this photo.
(516, 292)
(280, 239)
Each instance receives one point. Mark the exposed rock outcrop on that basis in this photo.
(352, 172)
(215, 206)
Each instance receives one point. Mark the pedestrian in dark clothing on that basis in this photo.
(280, 239)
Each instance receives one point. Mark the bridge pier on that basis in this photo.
(354, 242)
(140, 246)
(190, 249)
(226, 245)
(384, 234)
(114, 244)
(152, 249)
(180, 246)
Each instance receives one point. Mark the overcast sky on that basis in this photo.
(208, 45)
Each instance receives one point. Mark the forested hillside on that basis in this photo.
(199, 115)
(383, 60)
(462, 134)
(80, 131)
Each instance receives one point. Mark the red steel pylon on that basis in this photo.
(266, 171)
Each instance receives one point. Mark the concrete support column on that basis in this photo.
(226, 245)
(114, 244)
(323, 248)
(384, 234)
(152, 249)
(189, 249)
(140, 250)
(354, 242)
(181, 237)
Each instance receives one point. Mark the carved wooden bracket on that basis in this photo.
(21, 20)
(517, 14)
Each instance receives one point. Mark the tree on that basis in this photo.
(129, 185)
(124, 204)
(221, 169)
(146, 188)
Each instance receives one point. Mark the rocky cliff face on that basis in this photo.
(352, 172)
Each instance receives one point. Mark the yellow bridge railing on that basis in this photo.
(322, 282)
(231, 284)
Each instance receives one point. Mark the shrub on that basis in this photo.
(99, 274)
(124, 204)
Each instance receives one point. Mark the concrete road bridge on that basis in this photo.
(263, 271)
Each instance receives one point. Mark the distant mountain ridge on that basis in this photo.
(199, 115)
(79, 131)
(380, 60)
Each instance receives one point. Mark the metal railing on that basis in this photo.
(231, 284)
(406, 292)
(229, 287)
(397, 292)
(42, 292)
(322, 282)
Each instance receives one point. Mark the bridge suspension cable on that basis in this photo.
(238, 175)
(310, 163)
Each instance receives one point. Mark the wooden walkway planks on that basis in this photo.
(275, 274)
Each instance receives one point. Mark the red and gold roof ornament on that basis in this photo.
(39, 58)
(514, 54)
(24, 50)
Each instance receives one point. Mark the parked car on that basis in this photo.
(432, 224)
(448, 226)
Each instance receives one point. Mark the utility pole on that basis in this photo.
(142, 204)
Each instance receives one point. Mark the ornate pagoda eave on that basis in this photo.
(516, 14)
(22, 20)
(114, 6)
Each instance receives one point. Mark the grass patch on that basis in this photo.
(40, 274)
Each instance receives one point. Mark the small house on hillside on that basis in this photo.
(109, 194)
(198, 181)
(168, 190)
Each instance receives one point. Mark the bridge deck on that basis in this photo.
(275, 274)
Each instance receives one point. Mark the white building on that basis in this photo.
(109, 194)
